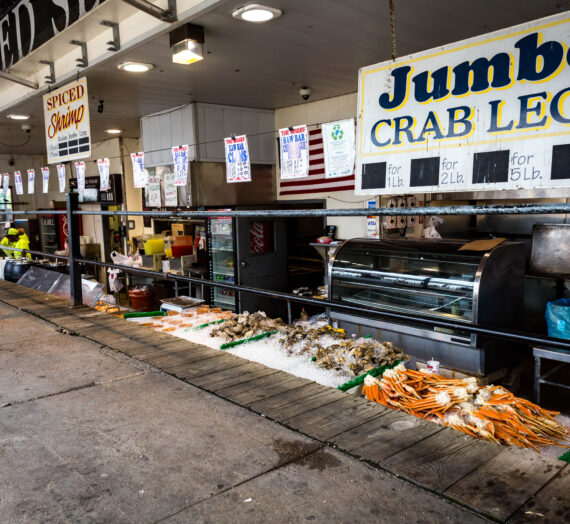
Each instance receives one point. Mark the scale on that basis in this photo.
(180, 303)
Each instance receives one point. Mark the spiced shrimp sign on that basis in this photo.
(488, 113)
(66, 116)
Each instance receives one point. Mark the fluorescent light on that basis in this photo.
(256, 13)
(18, 117)
(135, 67)
(113, 131)
(187, 52)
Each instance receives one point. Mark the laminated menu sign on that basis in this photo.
(103, 165)
(180, 161)
(45, 179)
(18, 183)
(170, 190)
(153, 191)
(294, 152)
(338, 144)
(80, 168)
(139, 177)
(61, 177)
(31, 180)
(5, 183)
(66, 116)
(238, 167)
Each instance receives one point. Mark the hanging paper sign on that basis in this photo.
(80, 168)
(338, 144)
(5, 183)
(180, 161)
(31, 180)
(18, 183)
(139, 175)
(238, 167)
(103, 165)
(153, 192)
(45, 179)
(294, 152)
(61, 177)
(66, 117)
(170, 191)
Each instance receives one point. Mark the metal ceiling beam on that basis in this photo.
(166, 15)
(18, 80)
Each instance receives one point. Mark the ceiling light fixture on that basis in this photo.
(113, 131)
(18, 117)
(256, 13)
(135, 67)
(186, 43)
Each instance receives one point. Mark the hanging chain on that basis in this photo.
(392, 29)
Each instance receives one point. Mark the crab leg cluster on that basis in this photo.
(488, 412)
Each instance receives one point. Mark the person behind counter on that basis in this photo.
(15, 238)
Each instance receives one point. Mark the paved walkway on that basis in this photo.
(88, 434)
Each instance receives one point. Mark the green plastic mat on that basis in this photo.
(356, 381)
(565, 456)
(229, 345)
(141, 314)
(201, 326)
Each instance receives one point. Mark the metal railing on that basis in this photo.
(74, 258)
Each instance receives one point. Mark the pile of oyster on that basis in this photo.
(247, 325)
(332, 349)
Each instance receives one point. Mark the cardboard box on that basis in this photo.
(181, 229)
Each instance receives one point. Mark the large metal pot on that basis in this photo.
(15, 268)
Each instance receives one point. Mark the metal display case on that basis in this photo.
(432, 279)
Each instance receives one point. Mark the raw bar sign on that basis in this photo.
(488, 113)
(66, 116)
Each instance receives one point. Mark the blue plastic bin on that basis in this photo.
(558, 318)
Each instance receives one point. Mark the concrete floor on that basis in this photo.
(89, 435)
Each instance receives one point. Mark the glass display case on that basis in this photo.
(222, 261)
(430, 279)
(404, 277)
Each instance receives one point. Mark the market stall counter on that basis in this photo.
(445, 280)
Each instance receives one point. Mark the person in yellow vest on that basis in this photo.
(18, 239)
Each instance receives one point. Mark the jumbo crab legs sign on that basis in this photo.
(488, 113)
(66, 116)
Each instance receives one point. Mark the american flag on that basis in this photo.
(316, 181)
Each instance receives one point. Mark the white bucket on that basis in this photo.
(433, 366)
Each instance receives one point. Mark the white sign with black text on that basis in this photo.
(61, 177)
(338, 144)
(31, 181)
(488, 113)
(238, 167)
(45, 179)
(294, 152)
(103, 165)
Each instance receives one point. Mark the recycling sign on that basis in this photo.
(339, 151)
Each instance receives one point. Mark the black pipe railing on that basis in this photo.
(524, 209)
(75, 260)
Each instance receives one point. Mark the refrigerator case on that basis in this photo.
(222, 260)
(433, 279)
(49, 233)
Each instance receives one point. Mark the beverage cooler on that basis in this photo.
(49, 233)
(433, 279)
(222, 261)
(250, 252)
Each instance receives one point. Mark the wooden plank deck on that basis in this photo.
(502, 483)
